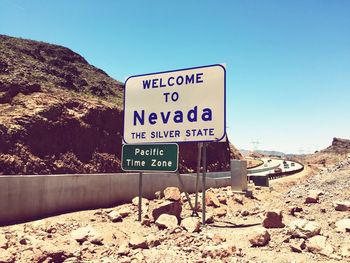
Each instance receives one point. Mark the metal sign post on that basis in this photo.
(199, 158)
(140, 196)
(203, 181)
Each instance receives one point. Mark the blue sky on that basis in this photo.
(288, 62)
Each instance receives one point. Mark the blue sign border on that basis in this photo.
(169, 71)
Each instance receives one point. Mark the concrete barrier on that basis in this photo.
(24, 198)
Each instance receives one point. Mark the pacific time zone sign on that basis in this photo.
(185, 105)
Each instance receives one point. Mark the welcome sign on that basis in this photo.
(186, 105)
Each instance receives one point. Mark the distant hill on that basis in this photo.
(261, 152)
(59, 114)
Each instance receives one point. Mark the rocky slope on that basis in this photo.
(303, 220)
(59, 114)
(339, 149)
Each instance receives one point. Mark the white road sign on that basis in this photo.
(186, 105)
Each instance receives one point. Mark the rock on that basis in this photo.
(137, 241)
(54, 253)
(172, 194)
(342, 206)
(114, 216)
(3, 241)
(211, 199)
(6, 256)
(123, 250)
(191, 224)
(146, 221)
(294, 209)
(124, 211)
(303, 228)
(312, 197)
(87, 233)
(297, 246)
(238, 199)
(159, 195)
(217, 239)
(273, 219)
(135, 201)
(219, 251)
(260, 237)
(209, 218)
(222, 199)
(167, 207)
(167, 221)
(343, 225)
(318, 245)
(153, 240)
(345, 251)
(245, 213)
(221, 211)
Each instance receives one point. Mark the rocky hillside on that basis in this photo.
(339, 146)
(338, 150)
(59, 114)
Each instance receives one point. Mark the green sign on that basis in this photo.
(150, 157)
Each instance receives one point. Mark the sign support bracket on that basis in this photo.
(183, 187)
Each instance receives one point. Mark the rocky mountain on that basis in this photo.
(339, 146)
(59, 114)
(337, 151)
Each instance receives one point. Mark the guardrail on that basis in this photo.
(278, 175)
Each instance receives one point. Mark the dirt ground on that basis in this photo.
(115, 235)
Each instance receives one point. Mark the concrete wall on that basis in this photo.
(24, 198)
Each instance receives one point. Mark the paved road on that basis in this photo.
(270, 165)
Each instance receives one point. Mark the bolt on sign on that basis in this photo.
(150, 157)
(186, 105)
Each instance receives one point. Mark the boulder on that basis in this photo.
(167, 207)
(319, 245)
(260, 237)
(172, 194)
(297, 245)
(115, 216)
(6, 256)
(87, 233)
(135, 201)
(3, 241)
(273, 219)
(153, 240)
(238, 199)
(245, 213)
(55, 253)
(345, 251)
(219, 251)
(222, 199)
(343, 225)
(191, 224)
(137, 241)
(220, 211)
(302, 228)
(167, 221)
(211, 199)
(124, 211)
(294, 209)
(342, 205)
(313, 197)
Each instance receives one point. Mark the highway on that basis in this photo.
(271, 166)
